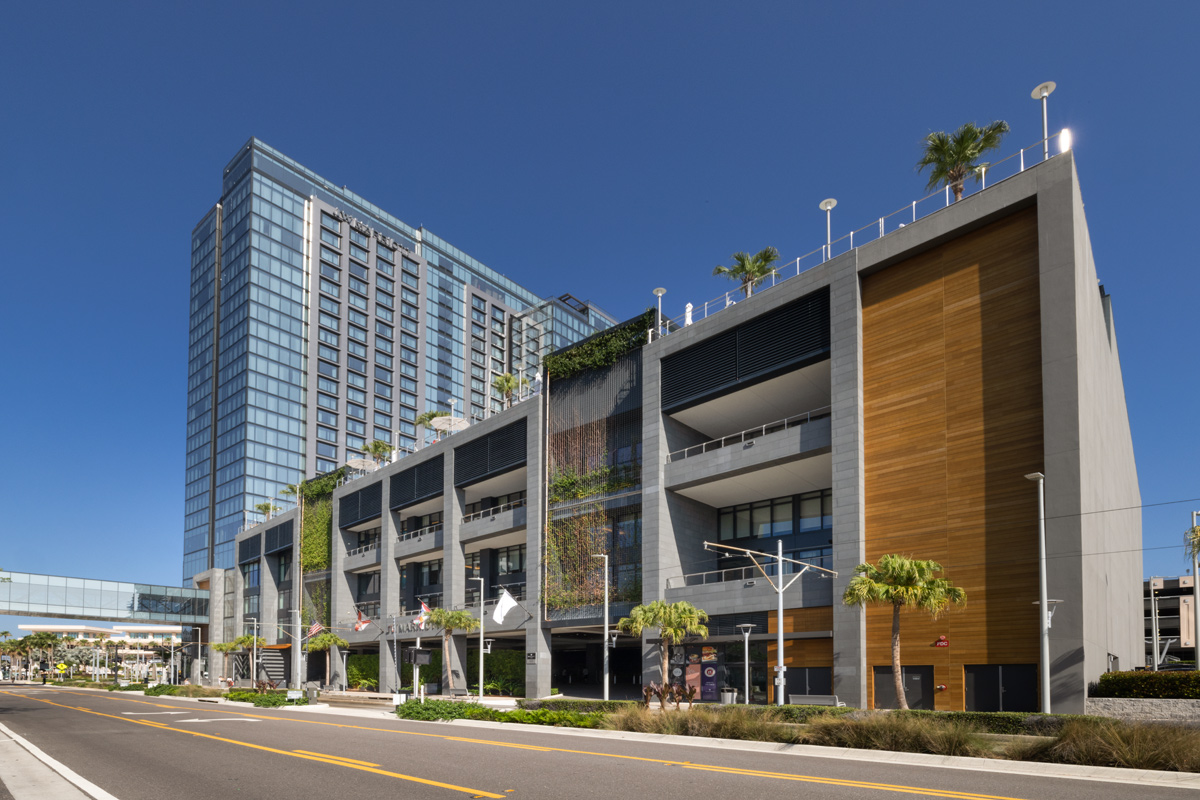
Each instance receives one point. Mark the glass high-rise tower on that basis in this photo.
(319, 322)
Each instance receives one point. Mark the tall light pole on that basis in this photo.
(1042, 92)
(480, 579)
(1196, 592)
(827, 206)
(659, 292)
(1043, 603)
(745, 629)
(604, 643)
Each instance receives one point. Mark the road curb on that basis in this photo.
(1178, 780)
(80, 783)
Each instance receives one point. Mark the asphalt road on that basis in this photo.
(147, 748)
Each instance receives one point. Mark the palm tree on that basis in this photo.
(267, 509)
(902, 582)
(506, 384)
(378, 450)
(290, 492)
(325, 641)
(424, 420)
(954, 157)
(451, 621)
(750, 270)
(4, 635)
(674, 622)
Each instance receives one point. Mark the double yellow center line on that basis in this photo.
(373, 768)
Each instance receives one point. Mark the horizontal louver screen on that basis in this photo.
(418, 483)
(366, 503)
(250, 549)
(496, 452)
(756, 349)
(278, 538)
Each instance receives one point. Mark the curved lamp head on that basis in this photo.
(828, 205)
(1043, 90)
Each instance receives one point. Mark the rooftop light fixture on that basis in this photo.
(827, 206)
(1064, 140)
(659, 292)
(1041, 93)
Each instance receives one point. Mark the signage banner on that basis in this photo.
(708, 682)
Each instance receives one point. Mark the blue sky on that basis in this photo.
(597, 148)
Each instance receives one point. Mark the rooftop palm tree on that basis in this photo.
(953, 157)
(506, 385)
(451, 621)
(290, 492)
(902, 582)
(429, 416)
(674, 622)
(378, 450)
(750, 270)
(267, 509)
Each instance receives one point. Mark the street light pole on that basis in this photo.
(1196, 595)
(1041, 93)
(745, 629)
(780, 669)
(480, 636)
(1043, 602)
(659, 292)
(604, 642)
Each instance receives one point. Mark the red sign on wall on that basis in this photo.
(942, 641)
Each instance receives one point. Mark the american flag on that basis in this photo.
(315, 629)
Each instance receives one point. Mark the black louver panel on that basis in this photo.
(418, 483)
(496, 452)
(250, 549)
(755, 350)
(364, 504)
(278, 538)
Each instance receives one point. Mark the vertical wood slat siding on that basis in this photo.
(800, 652)
(952, 394)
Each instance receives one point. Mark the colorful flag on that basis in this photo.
(315, 629)
(362, 621)
(507, 603)
(422, 616)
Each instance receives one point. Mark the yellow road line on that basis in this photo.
(338, 758)
(475, 793)
(948, 793)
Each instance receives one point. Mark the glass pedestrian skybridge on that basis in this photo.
(27, 595)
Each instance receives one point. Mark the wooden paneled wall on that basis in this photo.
(800, 652)
(952, 395)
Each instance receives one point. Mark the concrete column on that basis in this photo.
(850, 670)
(389, 593)
(341, 592)
(453, 566)
(537, 631)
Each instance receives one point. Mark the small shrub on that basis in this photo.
(133, 687)
(161, 690)
(898, 732)
(276, 699)
(732, 722)
(1109, 743)
(433, 710)
(1007, 722)
(1144, 683)
(241, 696)
(581, 706)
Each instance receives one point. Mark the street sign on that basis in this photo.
(293, 694)
(61, 667)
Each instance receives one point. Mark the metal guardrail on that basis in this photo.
(369, 610)
(749, 434)
(417, 534)
(366, 548)
(491, 512)
(517, 590)
(1006, 167)
(739, 574)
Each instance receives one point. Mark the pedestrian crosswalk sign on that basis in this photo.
(61, 667)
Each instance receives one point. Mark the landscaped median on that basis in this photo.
(1061, 739)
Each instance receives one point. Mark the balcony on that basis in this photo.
(423, 540)
(728, 591)
(493, 521)
(786, 452)
(361, 558)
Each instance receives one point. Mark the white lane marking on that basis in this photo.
(81, 783)
(149, 713)
(221, 719)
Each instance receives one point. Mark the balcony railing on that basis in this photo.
(517, 590)
(747, 435)
(735, 574)
(1006, 167)
(428, 529)
(491, 512)
(366, 548)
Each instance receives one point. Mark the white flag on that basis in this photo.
(506, 603)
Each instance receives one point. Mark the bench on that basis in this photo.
(814, 700)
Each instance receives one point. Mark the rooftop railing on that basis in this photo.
(491, 512)
(749, 434)
(996, 172)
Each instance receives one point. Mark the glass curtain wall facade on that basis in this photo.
(319, 322)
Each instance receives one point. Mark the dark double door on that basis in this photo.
(1001, 687)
